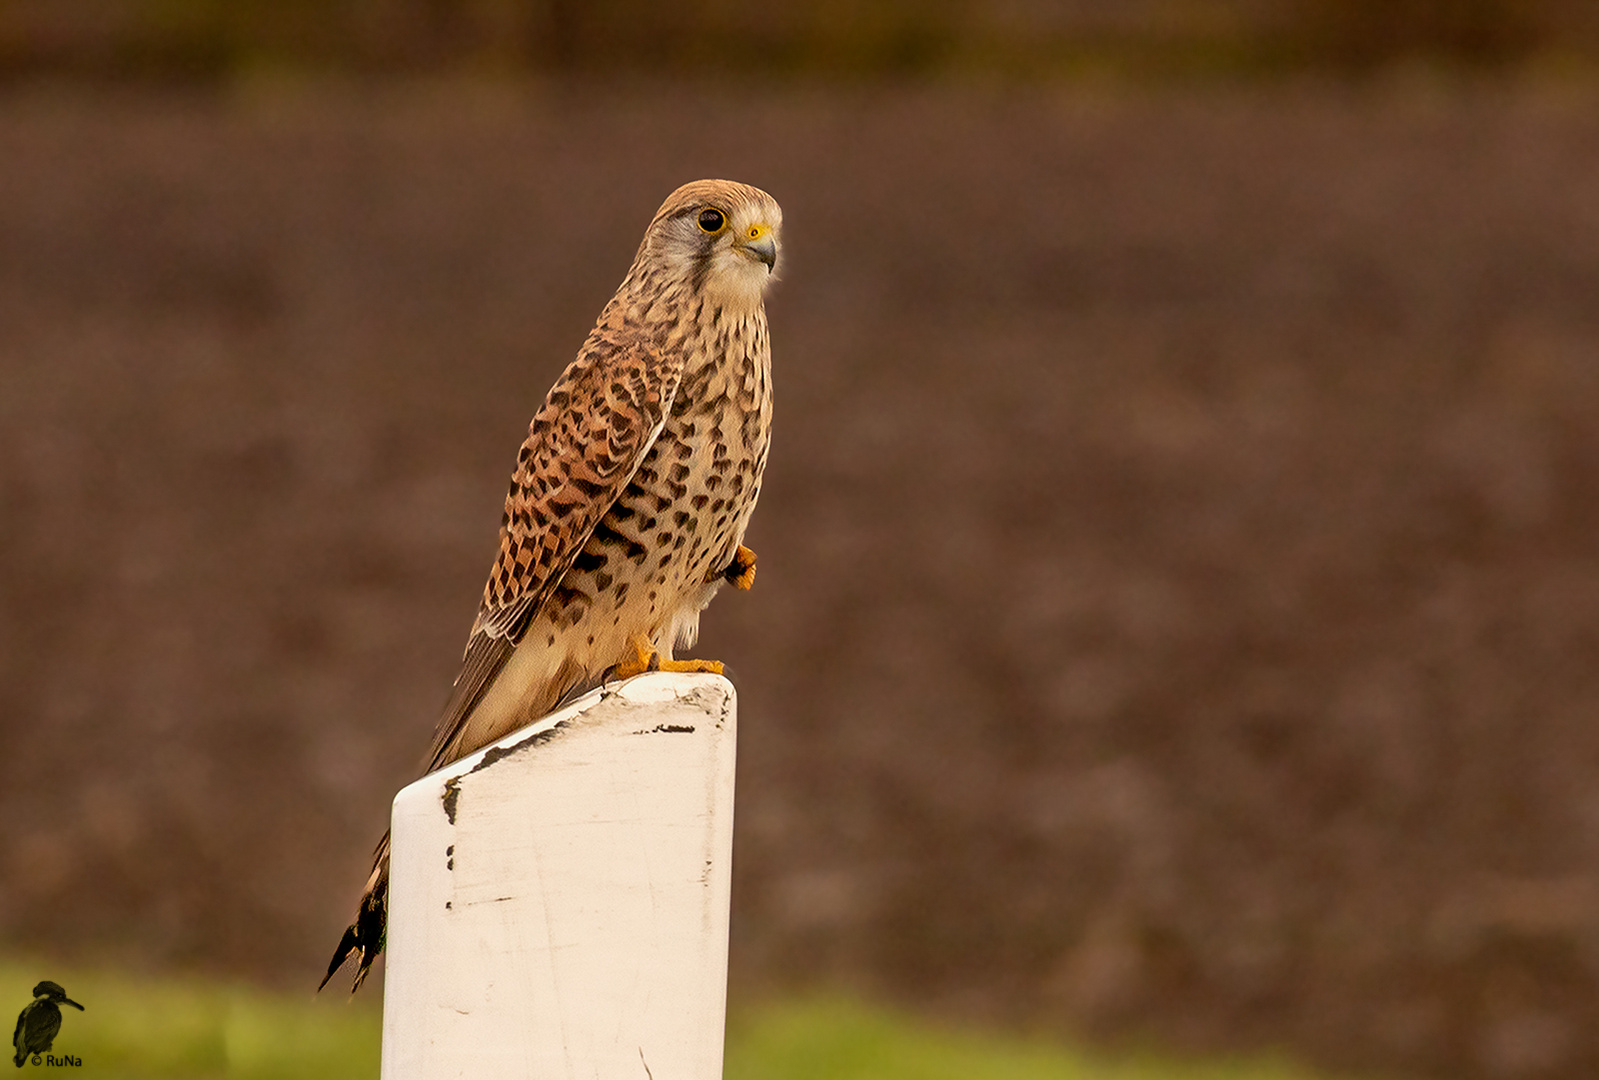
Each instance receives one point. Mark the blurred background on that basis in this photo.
(1178, 614)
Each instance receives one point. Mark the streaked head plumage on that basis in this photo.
(724, 237)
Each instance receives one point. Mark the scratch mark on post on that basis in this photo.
(646, 1064)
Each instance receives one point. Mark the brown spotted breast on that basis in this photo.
(683, 515)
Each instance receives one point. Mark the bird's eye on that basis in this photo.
(711, 220)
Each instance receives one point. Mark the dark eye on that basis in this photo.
(711, 220)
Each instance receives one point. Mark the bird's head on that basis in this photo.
(52, 991)
(719, 236)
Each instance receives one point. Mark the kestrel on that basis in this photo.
(631, 493)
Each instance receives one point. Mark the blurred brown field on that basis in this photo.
(187, 40)
(1178, 614)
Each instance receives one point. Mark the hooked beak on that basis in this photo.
(761, 244)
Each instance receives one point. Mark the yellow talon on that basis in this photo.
(647, 659)
(710, 667)
(740, 573)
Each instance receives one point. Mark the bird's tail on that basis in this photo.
(364, 937)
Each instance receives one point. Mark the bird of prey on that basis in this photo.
(40, 1020)
(631, 494)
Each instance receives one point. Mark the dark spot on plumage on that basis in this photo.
(602, 581)
(589, 561)
(694, 385)
(682, 517)
(610, 537)
(700, 501)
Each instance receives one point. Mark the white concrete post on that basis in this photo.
(558, 902)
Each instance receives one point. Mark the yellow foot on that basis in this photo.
(740, 573)
(710, 667)
(647, 659)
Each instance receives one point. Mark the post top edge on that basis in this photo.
(651, 688)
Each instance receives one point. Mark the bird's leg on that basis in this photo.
(740, 573)
(645, 658)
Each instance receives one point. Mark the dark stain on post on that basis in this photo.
(452, 786)
(452, 792)
(498, 753)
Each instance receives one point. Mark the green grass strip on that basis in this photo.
(845, 1040)
(187, 1029)
(178, 1029)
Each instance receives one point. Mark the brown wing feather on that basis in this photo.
(582, 448)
